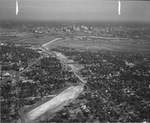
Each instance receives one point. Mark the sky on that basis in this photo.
(95, 10)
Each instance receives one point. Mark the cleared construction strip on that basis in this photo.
(54, 105)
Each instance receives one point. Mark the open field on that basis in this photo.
(126, 45)
(31, 39)
(41, 40)
(136, 45)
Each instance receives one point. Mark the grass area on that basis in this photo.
(105, 44)
(31, 39)
(41, 40)
(108, 44)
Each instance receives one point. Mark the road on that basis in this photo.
(44, 45)
(105, 37)
(11, 77)
(31, 65)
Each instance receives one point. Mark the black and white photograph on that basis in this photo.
(74, 61)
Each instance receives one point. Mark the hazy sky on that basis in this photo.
(76, 10)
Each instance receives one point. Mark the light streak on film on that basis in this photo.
(17, 10)
(119, 7)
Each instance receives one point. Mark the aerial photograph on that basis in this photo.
(74, 61)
